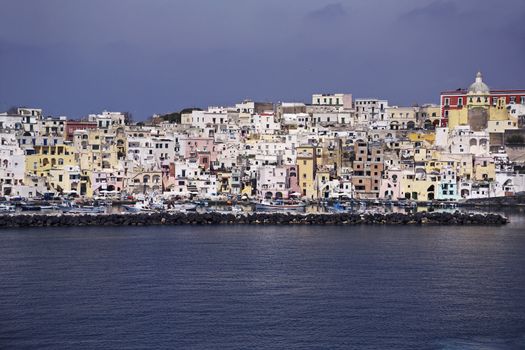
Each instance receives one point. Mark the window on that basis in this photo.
(460, 101)
(522, 100)
(447, 101)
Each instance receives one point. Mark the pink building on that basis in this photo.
(107, 181)
(293, 181)
(391, 184)
(202, 149)
(277, 182)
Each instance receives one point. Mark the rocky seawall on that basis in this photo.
(150, 219)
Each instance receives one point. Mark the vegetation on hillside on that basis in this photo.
(175, 117)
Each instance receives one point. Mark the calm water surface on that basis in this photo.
(274, 287)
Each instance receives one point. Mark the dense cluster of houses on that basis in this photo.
(469, 146)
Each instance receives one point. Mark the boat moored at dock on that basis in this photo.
(280, 206)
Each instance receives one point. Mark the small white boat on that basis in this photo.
(87, 209)
(183, 207)
(73, 208)
(138, 208)
(279, 206)
(237, 210)
(228, 210)
(6, 208)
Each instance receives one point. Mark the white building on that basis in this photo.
(12, 167)
(334, 100)
(369, 110)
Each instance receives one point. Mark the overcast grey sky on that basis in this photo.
(154, 56)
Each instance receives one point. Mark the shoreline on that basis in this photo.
(275, 218)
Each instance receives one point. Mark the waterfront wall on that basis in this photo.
(149, 219)
(510, 201)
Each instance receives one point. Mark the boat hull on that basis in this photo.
(279, 207)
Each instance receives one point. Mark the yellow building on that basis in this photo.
(477, 108)
(65, 179)
(499, 126)
(329, 155)
(47, 157)
(463, 163)
(484, 169)
(306, 167)
(422, 154)
(429, 116)
(98, 150)
(247, 190)
(457, 117)
(435, 165)
(419, 189)
(323, 183)
(54, 164)
(429, 137)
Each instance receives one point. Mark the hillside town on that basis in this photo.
(335, 146)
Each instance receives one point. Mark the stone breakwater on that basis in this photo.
(150, 219)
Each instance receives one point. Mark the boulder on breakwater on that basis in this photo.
(148, 219)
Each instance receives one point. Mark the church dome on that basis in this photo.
(479, 87)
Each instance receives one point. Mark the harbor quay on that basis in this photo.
(271, 218)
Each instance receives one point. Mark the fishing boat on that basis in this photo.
(279, 206)
(47, 206)
(337, 208)
(87, 209)
(73, 208)
(29, 207)
(182, 207)
(228, 210)
(407, 204)
(139, 207)
(6, 208)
